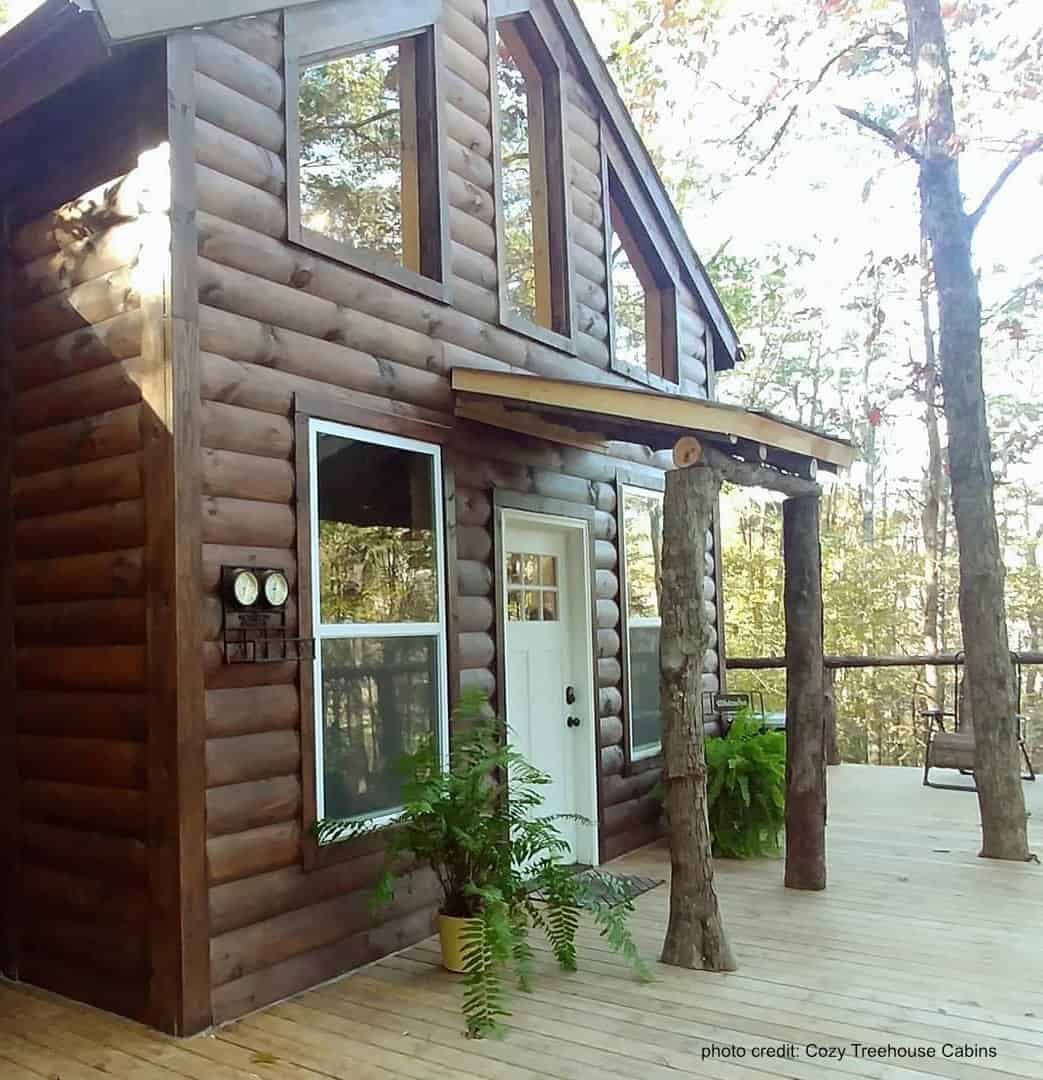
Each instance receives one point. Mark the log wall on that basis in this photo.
(76, 491)
(277, 320)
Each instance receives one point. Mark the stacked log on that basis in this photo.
(79, 619)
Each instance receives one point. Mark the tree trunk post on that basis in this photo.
(950, 228)
(805, 697)
(695, 935)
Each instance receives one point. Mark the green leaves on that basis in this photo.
(746, 790)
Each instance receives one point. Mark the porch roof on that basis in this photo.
(590, 414)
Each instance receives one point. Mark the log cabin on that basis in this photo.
(344, 349)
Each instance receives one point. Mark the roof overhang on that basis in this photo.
(591, 415)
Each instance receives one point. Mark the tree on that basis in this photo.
(933, 143)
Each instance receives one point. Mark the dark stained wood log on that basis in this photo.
(96, 529)
(612, 760)
(254, 948)
(247, 476)
(610, 701)
(82, 350)
(619, 844)
(233, 67)
(257, 851)
(74, 487)
(112, 901)
(251, 710)
(695, 935)
(81, 715)
(83, 305)
(241, 996)
(254, 805)
(101, 390)
(242, 758)
(610, 731)
(217, 555)
(53, 971)
(115, 952)
(80, 261)
(90, 854)
(108, 573)
(234, 201)
(104, 667)
(252, 901)
(473, 542)
(805, 696)
(243, 521)
(622, 789)
(473, 578)
(222, 676)
(92, 438)
(625, 816)
(477, 650)
(228, 427)
(239, 114)
(101, 762)
(246, 161)
(112, 810)
(474, 614)
(473, 507)
(107, 621)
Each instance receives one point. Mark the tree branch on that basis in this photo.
(898, 144)
(1008, 171)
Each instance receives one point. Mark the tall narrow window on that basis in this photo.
(643, 555)
(377, 572)
(532, 185)
(644, 314)
(364, 158)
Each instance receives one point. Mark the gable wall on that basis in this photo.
(276, 320)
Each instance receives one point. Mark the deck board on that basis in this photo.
(916, 942)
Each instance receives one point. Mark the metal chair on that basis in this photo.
(954, 748)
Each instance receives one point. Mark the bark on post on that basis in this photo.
(805, 697)
(695, 935)
(950, 229)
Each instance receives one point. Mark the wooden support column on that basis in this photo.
(695, 935)
(805, 696)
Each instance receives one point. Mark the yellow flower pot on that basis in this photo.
(450, 933)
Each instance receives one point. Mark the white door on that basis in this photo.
(549, 666)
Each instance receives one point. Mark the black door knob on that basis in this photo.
(570, 695)
(573, 721)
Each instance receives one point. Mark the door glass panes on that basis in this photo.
(377, 559)
(532, 588)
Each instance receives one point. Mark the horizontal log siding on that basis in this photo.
(277, 320)
(80, 608)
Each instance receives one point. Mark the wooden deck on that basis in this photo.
(916, 944)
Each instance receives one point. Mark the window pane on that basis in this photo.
(629, 307)
(377, 547)
(550, 606)
(352, 176)
(380, 698)
(519, 97)
(645, 726)
(643, 540)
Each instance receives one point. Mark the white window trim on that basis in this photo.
(326, 631)
(636, 621)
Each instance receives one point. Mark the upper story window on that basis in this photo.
(377, 572)
(364, 159)
(534, 274)
(643, 298)
(642, 513)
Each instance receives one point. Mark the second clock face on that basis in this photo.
(276, 589)
(246, 588)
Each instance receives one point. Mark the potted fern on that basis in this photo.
(498, 861)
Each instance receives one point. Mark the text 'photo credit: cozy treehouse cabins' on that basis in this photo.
(344, 348)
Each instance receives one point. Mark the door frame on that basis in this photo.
(579, 522)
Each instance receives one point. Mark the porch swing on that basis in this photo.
(954, 748)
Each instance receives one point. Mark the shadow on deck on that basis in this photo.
(916, 945)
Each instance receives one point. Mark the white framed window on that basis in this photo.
(379, 614)
(642, 552)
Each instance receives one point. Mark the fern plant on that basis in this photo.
(498, 861)
(746, 786)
